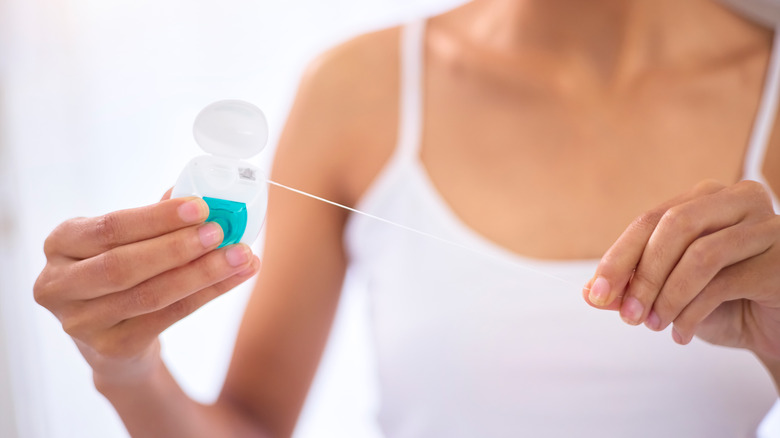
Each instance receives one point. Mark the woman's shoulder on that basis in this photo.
(370, 52)
(355, 72)
(345, 112)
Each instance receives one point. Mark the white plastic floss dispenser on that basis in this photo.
(235, 191)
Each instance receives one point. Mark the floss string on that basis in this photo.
(425, 234)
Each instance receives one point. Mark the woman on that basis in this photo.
(533, 131)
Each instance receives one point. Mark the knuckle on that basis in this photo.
(51, 244)
(678, 220)
(107, 229)
(647, 220)
(758, 193)
(75, 323)
(708, 186)
(41, 288)
(111, 271)
(211, 269)
(144, 297)
(751, 186)
(644, 281)
(46, 287)
(222, 287)
(182, 308)
(703, 256)
(181, 246)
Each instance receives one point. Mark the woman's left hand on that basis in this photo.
(707, 262)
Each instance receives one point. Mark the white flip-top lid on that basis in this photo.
(231, 129)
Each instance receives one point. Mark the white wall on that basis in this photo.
(97, 105)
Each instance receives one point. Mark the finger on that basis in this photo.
(701, 262)
(149, 326)
(694, 316)
(174, 285)
(716, 314)
(619, 262)
(82, 238)
(679, 227)
(126, 266)
(614, 305)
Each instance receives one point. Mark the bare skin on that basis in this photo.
(611, 107)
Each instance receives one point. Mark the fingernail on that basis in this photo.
(676, 336)
(193, 211)
(653, 321)
(631, 310)
(237, 255)
(599, 292)
(210, 234)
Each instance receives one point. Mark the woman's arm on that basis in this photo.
(116, 281)
(156, 406)
(339, 132)
(115, 319)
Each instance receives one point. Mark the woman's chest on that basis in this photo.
(560, 179)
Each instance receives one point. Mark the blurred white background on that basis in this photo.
(97, 99)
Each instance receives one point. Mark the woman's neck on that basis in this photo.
(612, 40)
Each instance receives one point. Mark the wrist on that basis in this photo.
(124, 375)
(149, 401)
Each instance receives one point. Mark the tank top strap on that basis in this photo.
(765, 117)
(412, 53)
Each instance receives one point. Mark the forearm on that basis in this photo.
(156, 406)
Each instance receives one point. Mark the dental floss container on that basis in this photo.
(235, 191)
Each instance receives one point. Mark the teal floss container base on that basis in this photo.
(230, 215)
(229, 131)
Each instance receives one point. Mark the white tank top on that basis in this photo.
(467, 346)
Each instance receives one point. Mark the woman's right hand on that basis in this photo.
(117, 281)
